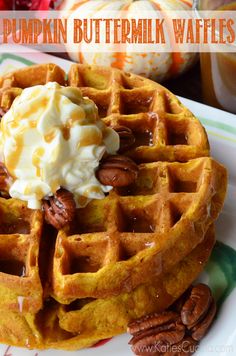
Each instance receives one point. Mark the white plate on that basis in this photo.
(220, 273)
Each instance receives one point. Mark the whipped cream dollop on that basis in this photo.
(52, 137)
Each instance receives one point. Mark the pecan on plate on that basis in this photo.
(117, 171)
(199, 311)
(156, 333)
(126, 135)
(60, 208)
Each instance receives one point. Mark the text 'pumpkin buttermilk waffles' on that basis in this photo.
(106, 210)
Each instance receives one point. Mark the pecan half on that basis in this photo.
(5, 181)
(198, 311)
(152, 335)
(2, 112)
(201, 328)
(59, 209)
(127, 138)
(196, 305)
(117, 171)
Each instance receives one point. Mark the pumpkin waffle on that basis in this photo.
(85, 321)
(120, 252)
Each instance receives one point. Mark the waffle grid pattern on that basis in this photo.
(20, 234)
(88, 280)
(13, 83)
(123, 237)
(163, 128)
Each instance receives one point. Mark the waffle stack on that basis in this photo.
(133, 252)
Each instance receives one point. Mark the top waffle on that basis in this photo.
(163, 128)
(116, 244)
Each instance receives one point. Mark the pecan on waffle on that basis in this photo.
(87, 280)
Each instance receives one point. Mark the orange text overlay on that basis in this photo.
(115, 32)
(118, 31)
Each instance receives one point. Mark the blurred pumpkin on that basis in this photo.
(158, 66)
(23, 5)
